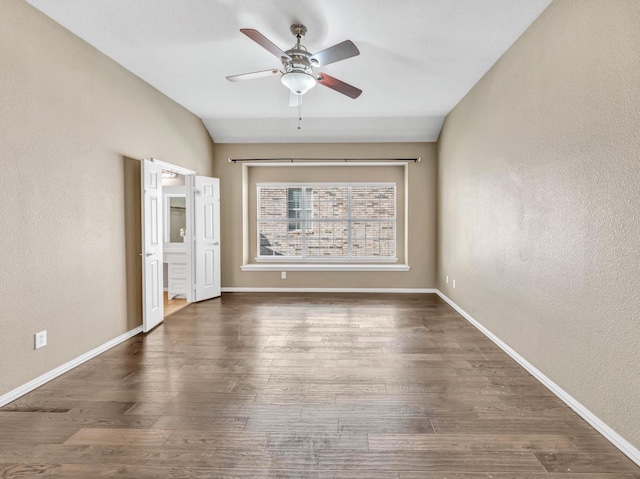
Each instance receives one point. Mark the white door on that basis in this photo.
(152, 302)
(205, 193)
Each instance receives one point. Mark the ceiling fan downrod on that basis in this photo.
(299, 31)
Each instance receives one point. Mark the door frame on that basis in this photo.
(188, 244)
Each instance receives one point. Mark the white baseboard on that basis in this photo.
(612, 436)
(54, 373)
(329, 290)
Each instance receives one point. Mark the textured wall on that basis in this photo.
(422, 214)
(71, 123)
(539, 203)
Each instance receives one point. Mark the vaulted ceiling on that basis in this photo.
(418, 58)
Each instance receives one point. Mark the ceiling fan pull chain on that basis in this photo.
(299, 112)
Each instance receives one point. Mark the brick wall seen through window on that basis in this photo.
(328, 221)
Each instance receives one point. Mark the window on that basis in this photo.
(295, 205)
(333, 222)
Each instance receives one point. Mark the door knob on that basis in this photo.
(148, 254)
(216, 244)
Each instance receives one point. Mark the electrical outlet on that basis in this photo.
(447, 279)
(40, 340)
(454, 284)
(283, 275)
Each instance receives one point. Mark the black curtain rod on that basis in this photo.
(292, 160)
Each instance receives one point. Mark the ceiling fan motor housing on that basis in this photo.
(299, 57)
(298, 67)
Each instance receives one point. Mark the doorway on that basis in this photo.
(174, 206)
(180, 238)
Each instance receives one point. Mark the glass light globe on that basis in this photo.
(298, 82)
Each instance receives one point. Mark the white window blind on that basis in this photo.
(327, 221)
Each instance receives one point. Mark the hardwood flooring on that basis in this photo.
(174, 304)
(315, 386)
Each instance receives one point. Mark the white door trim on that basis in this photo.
(176, 169)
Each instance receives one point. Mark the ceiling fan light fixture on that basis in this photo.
(298, 82)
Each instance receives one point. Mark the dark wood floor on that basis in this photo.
(304, 386)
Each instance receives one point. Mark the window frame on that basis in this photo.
(349, 220)
(303, 207)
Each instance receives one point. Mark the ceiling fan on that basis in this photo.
(298, 63)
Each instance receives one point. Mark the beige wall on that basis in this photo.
(422, 214)
(539, 203)
(72, 125)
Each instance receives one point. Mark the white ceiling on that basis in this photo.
(418, 58)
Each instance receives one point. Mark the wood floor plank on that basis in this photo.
(386, 425)
(101, 408)
(583, 463)
(429, 461)
(34, 435)
(510, 425)
(507, 475)
(470, 442)
(187, 472)
(593, 443)
(278, 425)
(318, 442)
(101, 436)
(303, 386)
(66, 471)
(74, 421)
(219, 439)
(201, 423)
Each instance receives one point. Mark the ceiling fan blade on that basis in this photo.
(295, 99)
(264, 42)
(338, 52)
(339, 85)
(251, 76)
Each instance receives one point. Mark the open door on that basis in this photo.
(152, 281)
(205, 203)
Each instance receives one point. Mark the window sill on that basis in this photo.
(324, 267)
